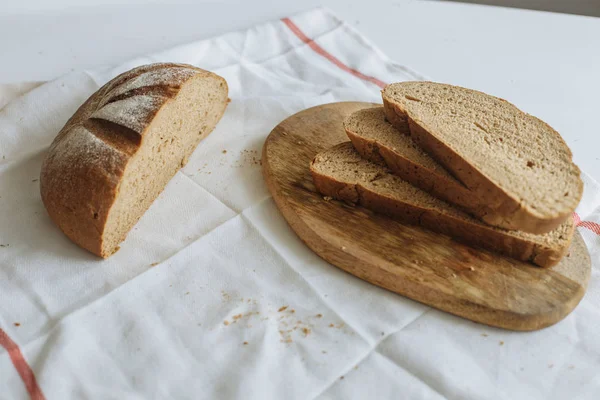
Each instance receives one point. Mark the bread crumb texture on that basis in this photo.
(518, 152)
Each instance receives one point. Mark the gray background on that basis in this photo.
(579, 7)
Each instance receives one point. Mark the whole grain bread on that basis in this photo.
(340, 172)
(514, 163)
(122, 146)
(375, 139)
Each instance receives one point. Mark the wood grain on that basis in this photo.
(414, 262)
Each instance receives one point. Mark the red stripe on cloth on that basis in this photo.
(592, 226)
(322, 52)
(576, 219)
(27, 376)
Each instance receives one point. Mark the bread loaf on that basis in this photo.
(514, 163)
(122, 146)
(343, 174)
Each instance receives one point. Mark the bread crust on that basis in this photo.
(478, 235)
(84, 166)
(503, 209)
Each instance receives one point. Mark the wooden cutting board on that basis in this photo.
(414, 262)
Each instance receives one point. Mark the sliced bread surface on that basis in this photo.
(340, 172)
(375, 139)
(513, 162)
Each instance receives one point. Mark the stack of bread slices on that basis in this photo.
(461, 163)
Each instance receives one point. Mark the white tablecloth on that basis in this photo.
(213, 296)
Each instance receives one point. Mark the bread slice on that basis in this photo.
(123, 145)
(375, 139)
(513, 162)
(340, 172)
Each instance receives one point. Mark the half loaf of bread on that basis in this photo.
(515, 164)
(340, 172)
(122, 146)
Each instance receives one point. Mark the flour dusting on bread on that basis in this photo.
(123, 145)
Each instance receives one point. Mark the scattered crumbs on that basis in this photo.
(550, 365)
(569, 254)
(224, 152)
(288, 340)
(341, 325)
(154, 264)
(34, 180)
(292, 311)
(327, 198)
(17, 324)
(225, 322)
(332, 325)
(245, 343)
(344, 248)
(472, 268)
(484, 334)
(283, 133)
(453, 275)
(319, 315)
(187, 293)
(501, 343)
(341, 377)
(571, 366)
(282, 308)
(299, 142)
(281, 332)
(306, 331)
(236, 317)
(356, 367)
(170, 285)
(382, 333)
(323, 352)
(248, 157)
(228, 100)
